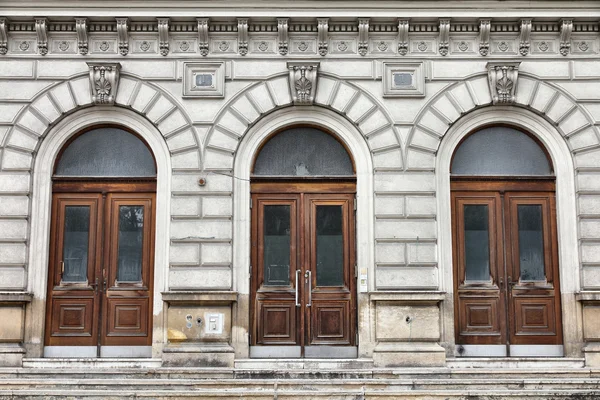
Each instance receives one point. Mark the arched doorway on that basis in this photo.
(303, 294)
(505, 249)
(101, 262)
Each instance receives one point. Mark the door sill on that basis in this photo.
(92, 351)
(325, 352)
(500, 350)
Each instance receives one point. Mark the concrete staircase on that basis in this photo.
(465, 379)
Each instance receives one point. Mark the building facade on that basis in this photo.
(403, 182)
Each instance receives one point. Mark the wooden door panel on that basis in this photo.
(534, 297)
(479, 298)
(73, 301)
(479, 317)
(331, 324)
(127, 317)
(534, 316)
(72, 317)
(277, 323)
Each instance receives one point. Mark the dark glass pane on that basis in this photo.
(303, 152)
(531, 242)
(76, 241)
(106, 152)
(277, 245)
(330, 246)
(131, 235)
(477, 243)
(500, 151)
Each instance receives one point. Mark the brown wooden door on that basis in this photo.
(302, 269)
(100, 272)
(506, 266)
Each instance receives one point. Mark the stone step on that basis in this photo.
(515, 362)
(278, 394)
(92, 363)
(306, 363)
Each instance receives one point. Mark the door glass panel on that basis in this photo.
(277, 245)
(531, 242)
(330, 246)
(131, 235)
(76, 242)
(477, 243)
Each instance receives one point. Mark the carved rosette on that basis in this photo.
(303, 81)
(104, 81)
(524, 38)
(203, 36)
(484, 36)
(41, 30)
(566, 28)
(323, 32)
(242, 36)
(123, 34)
(163, 35)
(282, 35)
(363, 36)
(444, 38)
(81, 26)
(502, 78)
(403, 37)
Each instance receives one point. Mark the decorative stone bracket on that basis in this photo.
(503, 82)
(3, 36)
(104, 81)
(303, 81)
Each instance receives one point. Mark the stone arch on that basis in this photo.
(549, 101)
(259, 99)
(50, 106)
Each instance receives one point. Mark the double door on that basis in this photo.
(100, 274)
(302, 278)
(506, 280)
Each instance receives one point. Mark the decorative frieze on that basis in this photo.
(123, 35)
(81, 26)
(444, 37)
(242, 36)
(3, 35)
(502, 78)
(41, 30)
(322, 33)
(524, 38)
(566, 28)
(484, 36)
(363, 36)
(303, 81)
(104, 81)
(163, 35)
(403, 26)
(282, 35)
(203, 42)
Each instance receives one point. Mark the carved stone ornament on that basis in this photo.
(502, 78)
(524, 38)
(566, 28)
(403, 37)
(242, 36)
(363, 36)
(484, 36)
(203, 36)
(163, 35)
(81, 26)
(104, 81)
(444, 38)
(303, 81)
(123, 34)
(323, 31)
(41, 29)
(282, 35)
(3, 36)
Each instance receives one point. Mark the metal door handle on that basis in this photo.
(297, 299)
(501, 283)
(308, 275)
(95, 286)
